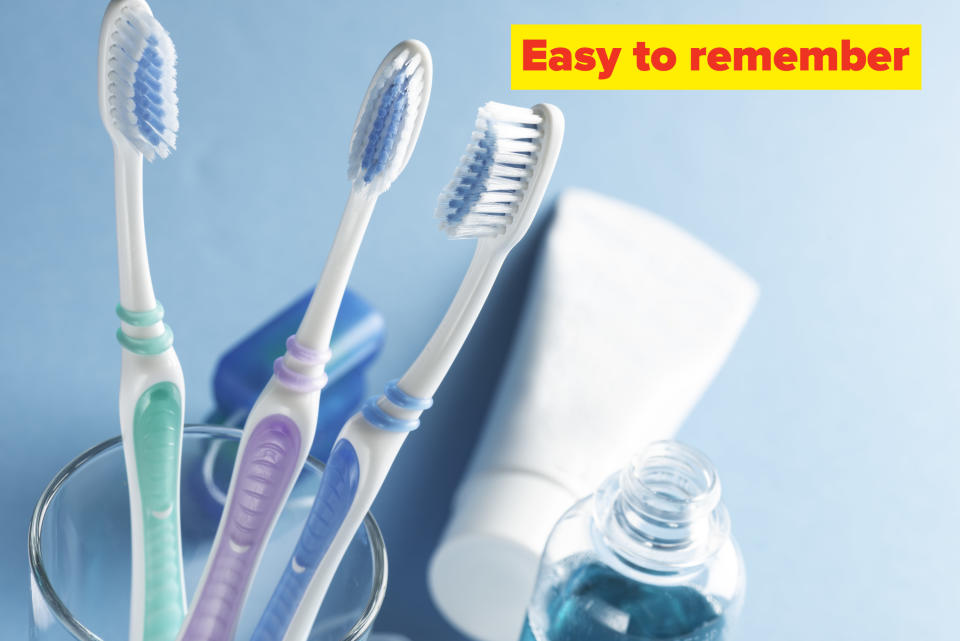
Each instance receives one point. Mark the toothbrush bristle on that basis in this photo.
(492, 178)
(385, 128)
(142, 80)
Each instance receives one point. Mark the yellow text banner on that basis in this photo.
(742, 56)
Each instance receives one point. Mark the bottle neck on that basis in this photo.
(662, 513)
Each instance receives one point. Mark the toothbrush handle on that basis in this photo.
(338, 488)
(151, 424)
(358, 465)
(157, 433)
(261, 482)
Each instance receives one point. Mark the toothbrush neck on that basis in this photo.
(427, 372)
(316, 328)
(136, 287)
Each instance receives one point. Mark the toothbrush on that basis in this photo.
(138, 106)
(280, 427)
(493, 197)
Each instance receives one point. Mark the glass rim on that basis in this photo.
(81, 632)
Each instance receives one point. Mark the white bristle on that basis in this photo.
(147, 116)
(488, 187)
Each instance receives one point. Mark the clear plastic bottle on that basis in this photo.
(648, 557)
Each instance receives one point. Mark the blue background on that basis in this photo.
(834, 423)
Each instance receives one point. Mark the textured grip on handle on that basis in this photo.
(263, 477)
(157, 435)
(338, 488)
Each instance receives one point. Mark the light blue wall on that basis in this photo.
(834, 424)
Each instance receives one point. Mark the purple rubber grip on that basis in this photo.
(263, 477)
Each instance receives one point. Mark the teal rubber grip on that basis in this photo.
(157, 438)
(144, 346)
(140, 319)
(147, 346)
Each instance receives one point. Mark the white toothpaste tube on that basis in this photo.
(628, 320)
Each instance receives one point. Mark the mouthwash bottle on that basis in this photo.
(648, 557)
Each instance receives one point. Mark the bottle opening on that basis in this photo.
(663, 511)
(671, 481)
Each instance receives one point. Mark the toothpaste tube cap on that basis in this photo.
(483, 571)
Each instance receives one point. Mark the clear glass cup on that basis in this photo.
(79, 545)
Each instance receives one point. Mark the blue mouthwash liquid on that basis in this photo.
(595, 603)
(647, 557)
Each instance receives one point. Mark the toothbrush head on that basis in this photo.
(390, 117)
(504, 173)
(138, 79)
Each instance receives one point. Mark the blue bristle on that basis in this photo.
(141, 75)
(490, 183)
(148, 103)
(381, 141)
(148, 132)
(472, 184)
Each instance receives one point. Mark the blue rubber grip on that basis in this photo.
(338, 487)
